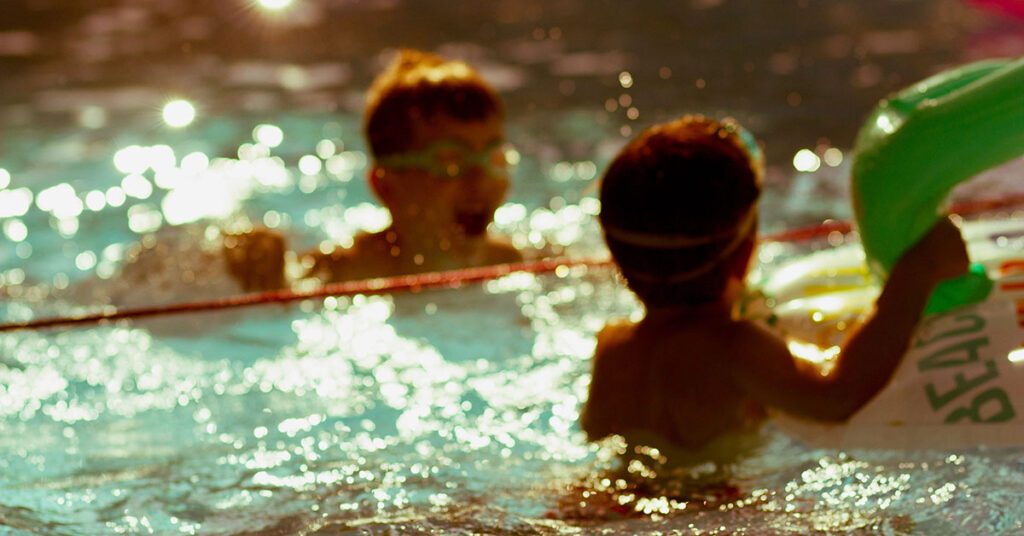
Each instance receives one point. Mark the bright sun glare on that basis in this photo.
(179, 113)
(274, 5)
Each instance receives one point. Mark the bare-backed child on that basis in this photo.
(679, 213)
(436, 137)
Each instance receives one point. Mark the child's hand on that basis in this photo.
(256, 259)
(940, 254)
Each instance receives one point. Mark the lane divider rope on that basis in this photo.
(434, 280)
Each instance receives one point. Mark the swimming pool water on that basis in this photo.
(394, 414)
(446, 411)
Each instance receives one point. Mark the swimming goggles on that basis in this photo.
(735, 236)
(452, 158)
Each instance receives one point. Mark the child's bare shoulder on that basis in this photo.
(756, 353)
(612, 382)
(367, 257)
(616, 350)
(614, 334)
(256, 258)
(750, 334)
(325, 265)
(501, 251)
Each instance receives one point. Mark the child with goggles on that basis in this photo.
(679, 214)
(435, 131)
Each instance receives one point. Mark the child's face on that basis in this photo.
(453, 178)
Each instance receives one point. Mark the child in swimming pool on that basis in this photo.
(679, 213)
(436, 136)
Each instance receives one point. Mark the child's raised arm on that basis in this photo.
(767, 370)
(255, 259)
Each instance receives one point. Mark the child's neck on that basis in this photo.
(711, 312)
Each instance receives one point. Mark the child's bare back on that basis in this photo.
(645, 379)
(679, 215)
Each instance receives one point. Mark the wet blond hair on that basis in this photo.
(415, 89)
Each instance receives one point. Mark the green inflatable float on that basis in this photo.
(920, 143)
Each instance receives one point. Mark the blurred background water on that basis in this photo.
(391, 414)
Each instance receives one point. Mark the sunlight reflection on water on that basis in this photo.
(440, 411)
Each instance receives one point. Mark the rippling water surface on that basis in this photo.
(436, 412)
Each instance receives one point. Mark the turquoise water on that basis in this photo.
(448, 411)
(441, 411)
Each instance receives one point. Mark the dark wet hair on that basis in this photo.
(678, 209)
(417, 88)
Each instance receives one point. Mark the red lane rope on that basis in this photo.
(381, 285)
(432, 280)
(967, 208)
(801, 234)
(828, 227)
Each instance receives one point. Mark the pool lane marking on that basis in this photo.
(434, 280)
(966, 208)
(380, 285)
